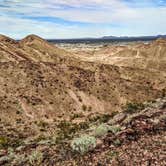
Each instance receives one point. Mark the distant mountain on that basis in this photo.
(133, 37)
(106, 38)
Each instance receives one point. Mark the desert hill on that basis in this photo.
(45, 80)
(6, 39)
(41, 50)
(31, 48)
(44, 88)
(151, 56)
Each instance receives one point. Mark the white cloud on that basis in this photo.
(101, 14)
(19, 28)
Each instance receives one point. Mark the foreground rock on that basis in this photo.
(140, 134)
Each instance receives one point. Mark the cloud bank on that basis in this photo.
(77, 18)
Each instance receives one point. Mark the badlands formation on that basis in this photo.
(48, 92)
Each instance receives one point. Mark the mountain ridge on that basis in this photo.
(134, 37)
(101, 80)
(116, 38)
(51, 98)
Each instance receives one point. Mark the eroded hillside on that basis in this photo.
(43, 87)
(45, 80)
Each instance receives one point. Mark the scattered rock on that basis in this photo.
(5, 159)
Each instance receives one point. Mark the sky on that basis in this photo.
(82, 18)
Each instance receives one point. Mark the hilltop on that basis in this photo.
(51, 93)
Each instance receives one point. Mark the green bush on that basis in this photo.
(101, 130)
(83, 144)
(114, 129)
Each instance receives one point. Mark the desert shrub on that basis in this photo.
(83, 144)
(35, 158)
(117, 142)
(84, 107)
(104, 118)
(114, 129)
(77, 115)
(100, 118)
(82, 126)
(101, 130)
(68, 129)
(133, 107)
(112, 154)
(42, 124)
(3, 142)
(89, 108)
(65, 130)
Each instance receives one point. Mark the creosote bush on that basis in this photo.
(83, 144)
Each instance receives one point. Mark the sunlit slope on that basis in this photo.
(43, 81)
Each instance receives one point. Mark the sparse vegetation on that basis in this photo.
(35, 159)
(112, 154)
(3, 142)
(89, 108)
(56, 106)
(84, 107)
(83, 144)
(101, 130)
(42, 124)
(77, 115)
(101, 118)
(68, 129)
(133, 107)
(114, 129)
(117, 142)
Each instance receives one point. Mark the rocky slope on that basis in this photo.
(149, 56)
(43, 87)
(136, 136)
(41, 78)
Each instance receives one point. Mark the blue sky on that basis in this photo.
(82, 18)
